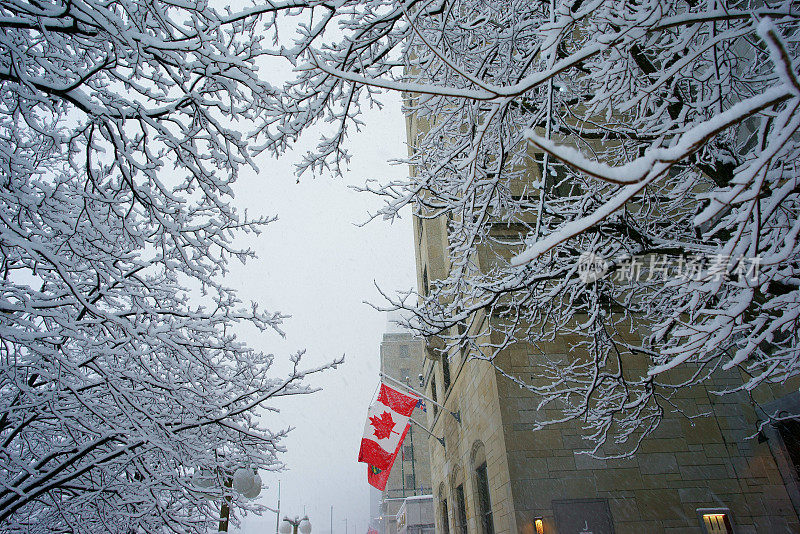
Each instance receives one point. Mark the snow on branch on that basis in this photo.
(619, 175)
(638, 173)
(121, 384)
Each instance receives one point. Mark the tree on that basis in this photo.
(121, 380)
(596, 134)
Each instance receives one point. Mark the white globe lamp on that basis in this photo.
(255, 488)
(243, 480)
(203, 478)
(295, 526)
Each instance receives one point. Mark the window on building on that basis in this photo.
(462, 347)
(484, 502)
(715, 520)
(784, 442)
(404, 351)
(404, 373)
(425, 287)
(445, 521)
(410, 482)
(446, 372)
(408, 452)
(461, 511)
(557, 180)
(433, 396)
(789, 431)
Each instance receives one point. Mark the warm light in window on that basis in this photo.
(539, 525)
(716, 523)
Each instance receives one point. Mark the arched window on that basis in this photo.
(443, 512)
(459, 502)
(433, 395)
(445, 372)
(482, 497)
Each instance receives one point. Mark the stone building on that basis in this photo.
(497, 476)
(401, 359)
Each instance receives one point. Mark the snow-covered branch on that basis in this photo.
(659, 136)
(123, 126)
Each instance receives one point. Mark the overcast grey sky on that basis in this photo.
(316, 265)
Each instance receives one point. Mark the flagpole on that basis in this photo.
(278, 519)
(456, 415)
(413, 469)
(440, 440)
(402, 466)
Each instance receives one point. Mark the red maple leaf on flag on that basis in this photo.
(383, 425)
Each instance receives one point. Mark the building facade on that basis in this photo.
(415, 515)
(495, 475)
(402, 359)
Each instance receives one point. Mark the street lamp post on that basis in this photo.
(244, 481)
(293, 526)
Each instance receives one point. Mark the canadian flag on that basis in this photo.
(378, 477)
(386, 426)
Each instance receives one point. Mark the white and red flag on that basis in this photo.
(387, 423)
